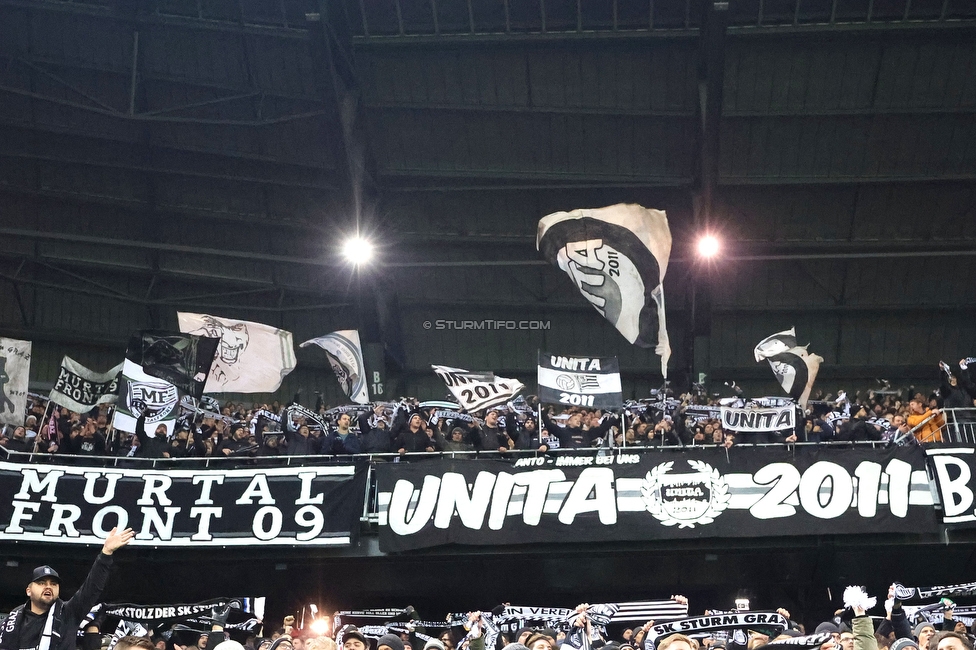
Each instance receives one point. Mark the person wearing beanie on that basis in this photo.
(515, 646)
(236, 443)
(390, 642)
(433, 644)
(923, 632)
(904, 644)
(830, 627)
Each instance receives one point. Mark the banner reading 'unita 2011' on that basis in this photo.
(756, 492)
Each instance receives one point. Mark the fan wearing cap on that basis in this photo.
(45, 622)
(353, 639)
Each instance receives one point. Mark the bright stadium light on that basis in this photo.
(320, 626)
(358, 250)
(708, 246)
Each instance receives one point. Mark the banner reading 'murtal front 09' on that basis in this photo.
(757, 492)
(318, 506)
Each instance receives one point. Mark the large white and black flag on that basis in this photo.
(795, 368)
(580, 381)
(617, 257)
(251, 357)
(15, 357)
(476, 390)
(80, 389)
(160, 398)
(345, 353)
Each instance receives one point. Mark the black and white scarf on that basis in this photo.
(12, 625)
(942, 591)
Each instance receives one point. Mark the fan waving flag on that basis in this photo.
(795, 368)
(345, 354)
(251, 357)
(617, 257)
(183, 360)
(478, 390)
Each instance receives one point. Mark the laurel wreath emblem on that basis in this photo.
(719, 488)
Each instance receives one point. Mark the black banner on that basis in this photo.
(317, 506)
(678, 494)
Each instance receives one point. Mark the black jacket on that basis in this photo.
(67, 615)
(374, 439)
(150, 447)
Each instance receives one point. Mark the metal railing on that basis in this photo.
(229, 462)
(959, 425)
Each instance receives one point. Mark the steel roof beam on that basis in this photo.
(170, 20)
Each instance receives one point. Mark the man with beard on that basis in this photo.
(45, 622)
(525, 433)
(490, 436)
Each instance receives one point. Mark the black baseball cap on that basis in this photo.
(352, 632)
(45, 571)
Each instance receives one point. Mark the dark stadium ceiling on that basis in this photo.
(191, 152)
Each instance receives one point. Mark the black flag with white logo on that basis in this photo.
(617, 257)
(795, 368)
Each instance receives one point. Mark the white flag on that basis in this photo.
(15, 359)
(345, 354)
(475, 391)
(251, 357)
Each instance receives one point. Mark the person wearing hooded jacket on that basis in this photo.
(45, 622)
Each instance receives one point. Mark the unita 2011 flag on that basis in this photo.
(345, 353)
(580, 381)
(251, 357)
(80, 389)
(15, 357)
(795, 368)
(617, 257)
(475, 391)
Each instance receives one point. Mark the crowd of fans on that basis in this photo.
(851, 628)
(408, 425)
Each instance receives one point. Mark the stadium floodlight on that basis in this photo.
(320, 626)
(358, 250)
(708, 246)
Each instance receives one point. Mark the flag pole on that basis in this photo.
(43, 423)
